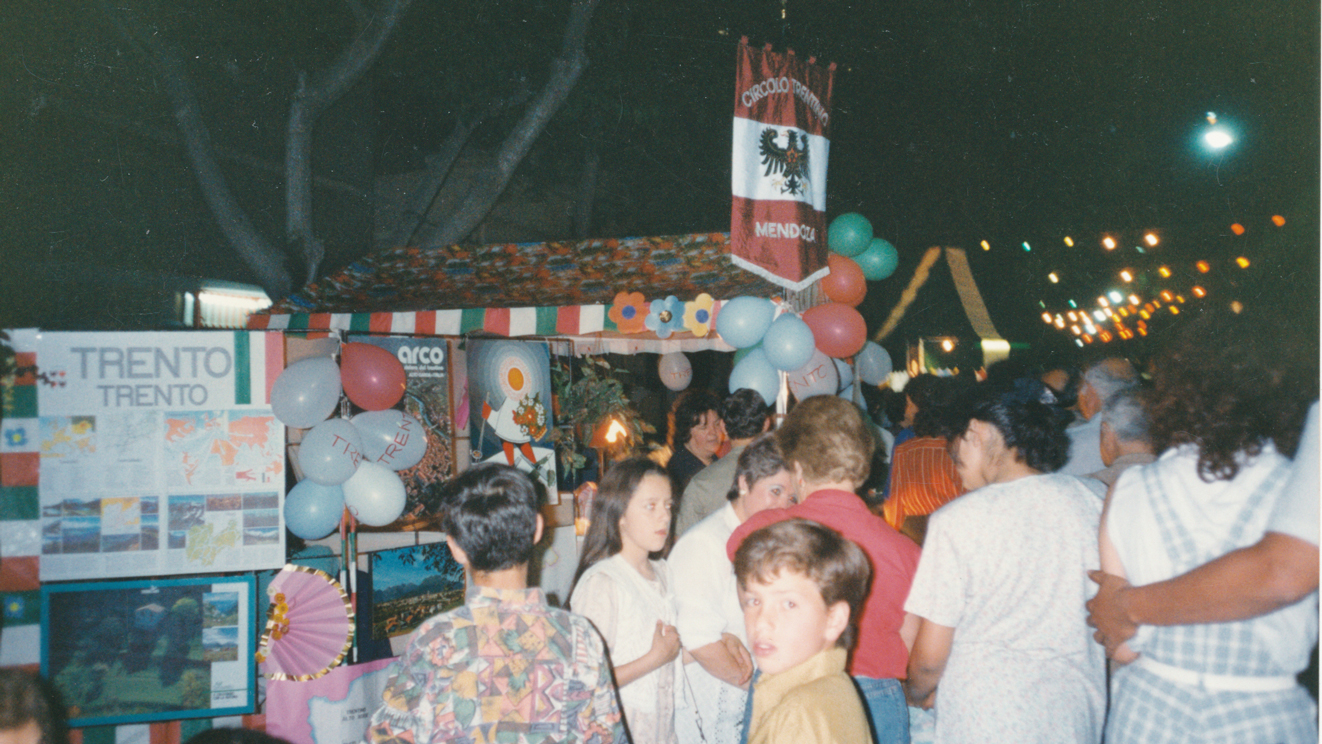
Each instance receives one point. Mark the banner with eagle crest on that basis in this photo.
(782, 114)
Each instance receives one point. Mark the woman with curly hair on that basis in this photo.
(1226, 414)
(1003, 651)
(696, 433)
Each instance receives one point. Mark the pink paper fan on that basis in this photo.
(309, 625)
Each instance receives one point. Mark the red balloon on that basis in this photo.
(846, 283)
(372, 377)
(839, 330)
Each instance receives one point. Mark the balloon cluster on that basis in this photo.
(347, 463)
(808, 348)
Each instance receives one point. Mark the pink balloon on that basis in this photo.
(372, 377)
(839, 330)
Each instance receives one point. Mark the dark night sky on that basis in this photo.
(954, 122)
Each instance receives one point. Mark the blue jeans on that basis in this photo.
(888, 712)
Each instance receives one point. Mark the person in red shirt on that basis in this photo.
(829, 446)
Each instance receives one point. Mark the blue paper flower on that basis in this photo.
(16, 437)
(666, 317)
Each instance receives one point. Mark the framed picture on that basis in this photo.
(136, 651)
(412, 584)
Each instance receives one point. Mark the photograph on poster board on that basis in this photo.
(156, 455)
(412, 584)
(426, 398)
(509, 388)
(136, 651)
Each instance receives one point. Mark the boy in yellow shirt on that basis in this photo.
(801, 585)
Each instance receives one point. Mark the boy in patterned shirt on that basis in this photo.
(504, 667)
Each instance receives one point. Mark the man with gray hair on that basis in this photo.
(1124, 439)
(1101, 381)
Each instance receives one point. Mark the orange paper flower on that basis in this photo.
(629, 312)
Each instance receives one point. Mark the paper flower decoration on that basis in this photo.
(666, 317)
(698, 315)
(16, 437)
(629, 312)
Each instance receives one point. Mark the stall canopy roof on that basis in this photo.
(558, 274)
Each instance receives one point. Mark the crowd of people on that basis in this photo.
(1026, 528)
(1174, 512)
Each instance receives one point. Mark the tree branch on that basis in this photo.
(440, 164)
(565, 72)
(310, 101)
(264, 260)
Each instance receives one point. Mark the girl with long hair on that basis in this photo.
(629, 597)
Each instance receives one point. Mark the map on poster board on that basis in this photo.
(158, 455)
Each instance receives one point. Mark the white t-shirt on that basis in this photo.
(707, 598)
(1296, 512)
(1208, 512)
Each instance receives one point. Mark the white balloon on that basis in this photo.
(817, 377)
(306, 393)
(675, 370)
(391, 438)
(330, 453)
(374, 495)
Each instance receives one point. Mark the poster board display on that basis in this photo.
(157, 453)
(333, 709)
(426, 363)
(136, 651)
(509, 388)
(412, 584)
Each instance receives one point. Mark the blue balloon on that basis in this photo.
(849, 234)
(756, 373)
(874, 364)
(744, 320)
(313, 511)
(788, 343)
(879, 260)
(848, 394)
(845, 372)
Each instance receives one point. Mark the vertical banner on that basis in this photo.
(154, 454)
(782, 113)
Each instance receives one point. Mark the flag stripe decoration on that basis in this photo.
(782, 115)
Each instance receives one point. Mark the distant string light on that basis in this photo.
(1165, 272)
(1109, 242)
(1243, 262)
(985, 245)
(1237, 229)
(1069, 241)
(1278, 220)
(1127, 275)
(1199, 292)
(1027, 248)
(1054, 279)
(1150, 239)
(1203, 266)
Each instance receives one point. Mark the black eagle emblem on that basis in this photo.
(792, 160)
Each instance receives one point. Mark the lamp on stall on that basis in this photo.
(609, 433)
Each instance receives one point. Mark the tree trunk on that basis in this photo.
(310, 101)
(587, 192)
(265, 261)
(565, 72)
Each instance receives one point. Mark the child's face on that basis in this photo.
(788, 622)
(646, 522)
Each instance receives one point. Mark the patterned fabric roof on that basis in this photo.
(589, 272)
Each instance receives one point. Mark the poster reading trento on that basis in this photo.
(158, 454)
